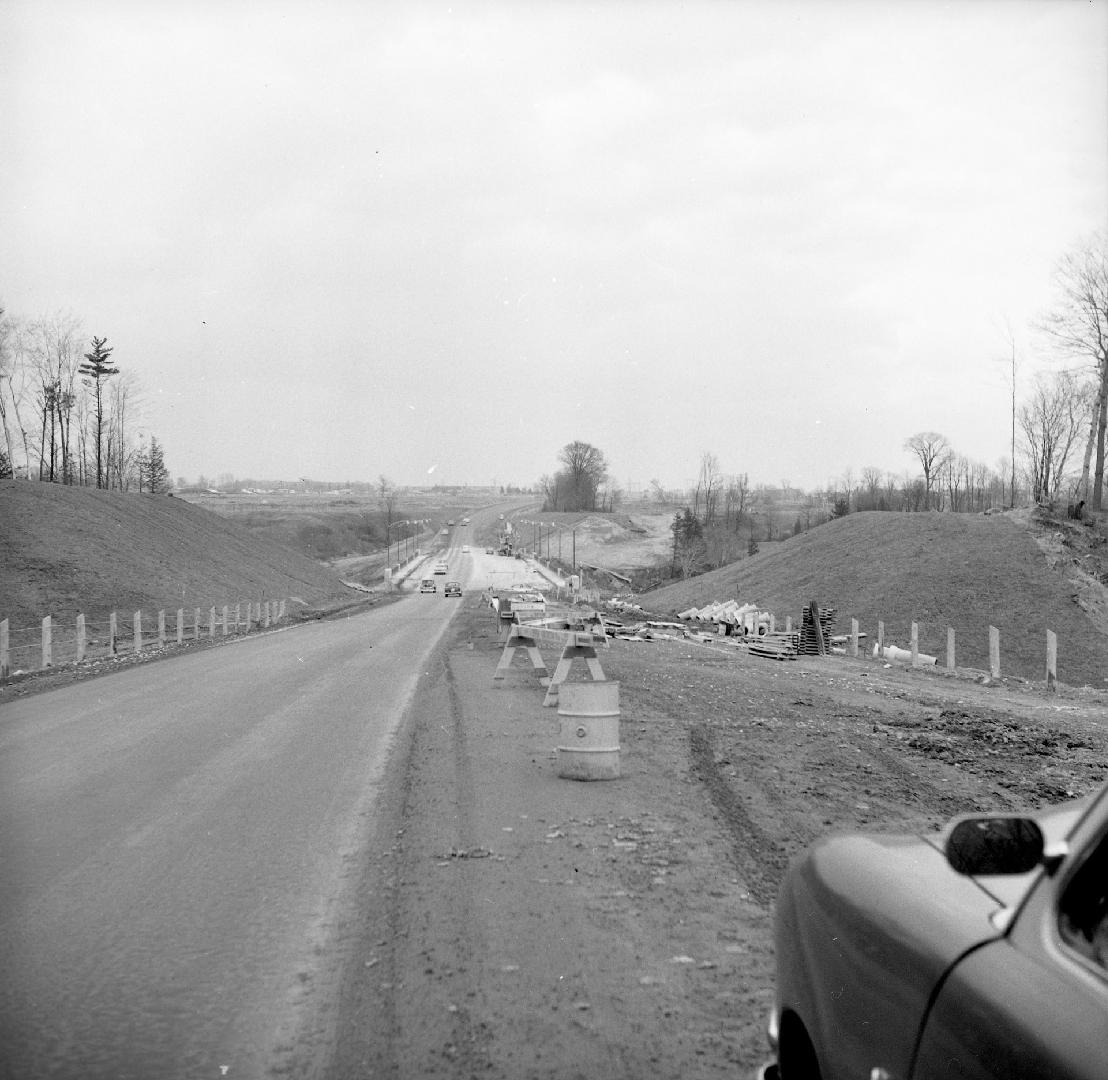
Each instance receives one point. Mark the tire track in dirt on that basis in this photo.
(758, 854)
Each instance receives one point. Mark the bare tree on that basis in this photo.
(1079, 327)
(932, 451)
(13, 389)
(871, 483)
(124, 409)
(54, 355)
(386, 495)
(1051, 422)
(736, 500)
(707, 484)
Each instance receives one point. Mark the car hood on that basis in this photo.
(899, 890)
(905, 888)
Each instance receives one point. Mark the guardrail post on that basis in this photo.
(47, 642)
(161, 629)
(249, 612)
(265, 614)
(994, 652)
(1051, 660)
(113, 634)
(180, 626)
(226, 613)
(854, 637)
(5, 651)
(880, 639)
(238, 616)
(138, 631)
(915, 644)
(950, 648)
(196, 624)
(82, 637)
(211, 621)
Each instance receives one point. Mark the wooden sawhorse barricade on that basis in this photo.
(576, 645)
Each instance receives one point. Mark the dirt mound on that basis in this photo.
(621, 542)
(66, 550)
(963, 571)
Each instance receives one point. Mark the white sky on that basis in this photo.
(343, 239)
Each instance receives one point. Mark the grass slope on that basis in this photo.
(65, 550)
(960, 570)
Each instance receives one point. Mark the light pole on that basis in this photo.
(388, 543)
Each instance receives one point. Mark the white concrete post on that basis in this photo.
(238, 616)
(994, 652)
(5, 650)
(226, 616)
(854, 637)
(180, 626)
(880, 640)
(265, 615)
(950, 648)
(249, 612)
(137, 636)
(47, 642)
(196, 624)
(211, 621)
(915, 644)
(161, 628)
(1051, 660)
(82, 638)
(113, 634)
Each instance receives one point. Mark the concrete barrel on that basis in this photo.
(588, 719)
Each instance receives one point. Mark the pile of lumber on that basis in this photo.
(775, 646)
(815, 630)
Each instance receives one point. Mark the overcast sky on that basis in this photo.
(439, 242)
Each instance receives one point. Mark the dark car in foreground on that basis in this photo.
(979, 953)
(453, 588)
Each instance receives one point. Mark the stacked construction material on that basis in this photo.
(775, 646)
(730, 613)
(815, 630)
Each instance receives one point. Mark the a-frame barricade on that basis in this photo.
(578, 647)
(519, 637)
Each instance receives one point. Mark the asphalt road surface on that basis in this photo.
(179, 843)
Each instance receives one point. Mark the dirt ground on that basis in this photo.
(521, 925)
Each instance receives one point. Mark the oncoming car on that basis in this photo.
(427, 585)
(453, 588)
(979, 953)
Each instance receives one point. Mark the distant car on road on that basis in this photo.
(465, 549)
(980, 952)
(427, 585)
(441, 568)
(489, 551)
(453, 588)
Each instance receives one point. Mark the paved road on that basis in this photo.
(179, 841)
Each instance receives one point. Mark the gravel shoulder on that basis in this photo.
(516, 924)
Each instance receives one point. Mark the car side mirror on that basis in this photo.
(995, 845)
